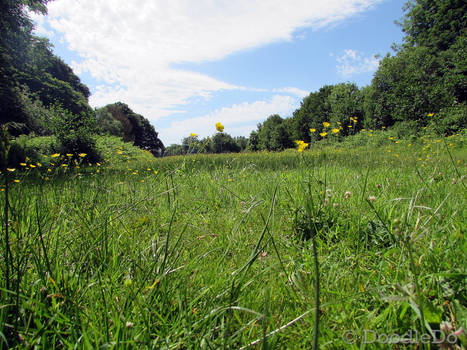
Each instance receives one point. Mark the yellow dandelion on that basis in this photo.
(323, 134)
(69, 155)
(142, 180)
(391, 138)
(16, 180)
(82, 155)
(49, 170)
(335, 131)
(219, 127)
(430, 114)
(326, 124)
(312, 130)
(155, 172)
(119, 152)
(64, 165)
(38, 164)
(134, 173)
(193, 134)
(32, 166)
(349, 126)
(10, 169)
(22, 164)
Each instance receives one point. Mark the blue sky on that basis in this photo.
(186, 65)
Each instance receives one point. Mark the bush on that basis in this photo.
(75, 134)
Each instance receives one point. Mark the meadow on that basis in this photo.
(235, 250)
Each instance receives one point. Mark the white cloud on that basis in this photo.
(352, 62)
(133, 44)
(293, 91)
(239, 119)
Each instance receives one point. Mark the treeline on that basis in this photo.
(426, 76)
(40, 94)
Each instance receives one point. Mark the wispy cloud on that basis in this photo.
(131, 46)
(352, 62)
(239, 119)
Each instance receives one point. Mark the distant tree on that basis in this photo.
(253, 141)
(241, 142)
(273, 134)
(314, 110)
(224, 143)
(135, 127)
(346, 101)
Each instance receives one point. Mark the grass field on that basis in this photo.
(218, 251)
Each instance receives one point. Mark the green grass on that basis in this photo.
(206, 251)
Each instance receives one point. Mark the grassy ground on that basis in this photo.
(216, 251)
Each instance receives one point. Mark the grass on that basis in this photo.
(216, 251)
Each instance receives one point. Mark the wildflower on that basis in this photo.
(219, 127)
(363, 130)
(326, 124)
(22, 164)
(335, 131)
(16, 180)
(38, 164)
(82, 155)
(347, 194)
(349, 126)
(371, 198)
(229, 180)
(155, 172)
(323, 134)
(430, 114)
(10, 169)
(49, 170)
(378, 185)
(69, 155)
(153, 285)
(312, 130)
(129, 324)
(32, 166)
(55, 155)
(119, 152)
(193, 134)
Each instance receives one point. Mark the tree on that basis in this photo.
(135, 127)
(273, 134)
(346, 101)
(313, 111)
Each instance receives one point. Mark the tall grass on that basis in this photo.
(209, 251)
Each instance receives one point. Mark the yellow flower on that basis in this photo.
(312, 130)
(391, 138)
(49, 170)
(16, 180)
(10, 169)
(219, 127)
(38, 164)
(301, 145)
(82, 155)
(22, 164)
(335, 131)
(64, 165)
(193, 134)
(349, 126)
(32, 165)
(69, 155)
(326, 124)
(323, 134)
(119, 152)
(431, 114)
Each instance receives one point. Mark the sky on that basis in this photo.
(186, 65)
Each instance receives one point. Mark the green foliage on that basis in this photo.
(273, 134)
(134, 127)
(346, 101)
(224, 143)
(314, 110)
(75, 133)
